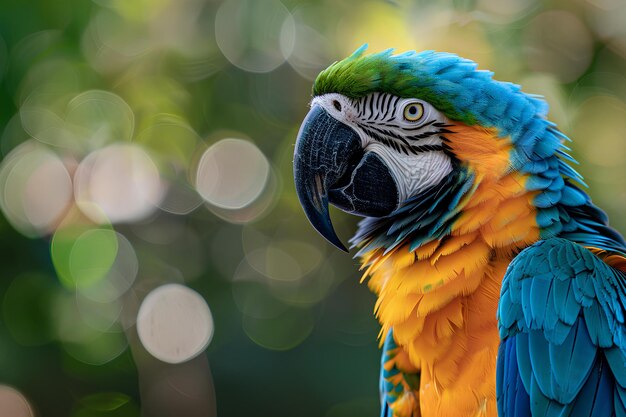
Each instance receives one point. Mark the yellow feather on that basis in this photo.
(453, 244)
(408, 330)
(395, 310)
(472, 219)
(426, 251)
(404, 260)
(464, 285)
(441, 299)
(512, 210)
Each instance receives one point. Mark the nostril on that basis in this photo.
(337, 105)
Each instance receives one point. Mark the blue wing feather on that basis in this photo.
(596, 396)
(619, 401)
(513, 396)
(561, 318)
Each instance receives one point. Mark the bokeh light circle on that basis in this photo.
(606, 18)
(100, 117)
(83, 255)
(232, 174)
(306, 49)
(111, 41)
(174, 142)
(80, 329)
(42, 122)
(118, 34)
(118, 279)
(13, 135)
(98, 316)
(170, 136)
(35, 189)
(285, 260)
(283, 332)
(92, 256)
(254, 35)
(122, 181)
(174, 323)
(181, 197)
(13, 403)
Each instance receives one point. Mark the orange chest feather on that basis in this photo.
(441, 299)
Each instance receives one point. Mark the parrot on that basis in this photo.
(500, 286)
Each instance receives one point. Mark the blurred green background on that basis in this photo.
(148, 143)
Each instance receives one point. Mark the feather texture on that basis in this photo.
(562, 311)
(512, 204)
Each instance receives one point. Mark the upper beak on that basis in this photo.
(324, 151)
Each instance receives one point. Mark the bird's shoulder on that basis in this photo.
(562, 324)
(554, 281)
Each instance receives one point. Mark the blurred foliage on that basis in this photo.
(150, 142)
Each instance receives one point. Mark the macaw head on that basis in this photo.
(385, 130)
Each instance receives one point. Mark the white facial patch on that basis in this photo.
(413, 173)
(404, 132)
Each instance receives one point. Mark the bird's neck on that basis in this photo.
(498, 219)
(440, 298)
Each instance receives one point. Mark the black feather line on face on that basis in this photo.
(386, 106)
(447, 149)
(371, 106)
(427, 148)
(392, 116)
(432, 122)
(386, 137)
(428, 134)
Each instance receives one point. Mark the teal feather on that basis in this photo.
(389, 391)
(540, 361)
(557, 184)
(574, 197)
(547, 216)
(564, 309)
(523, 359)
(562, 153)
(619, 401)
(598, 326)
(537, 182)
(548, 198)
(552, 231)
(512, 395)
(595, 399)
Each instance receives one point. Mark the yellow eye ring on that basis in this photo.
(413, 112)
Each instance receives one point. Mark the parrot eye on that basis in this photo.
(413, 112)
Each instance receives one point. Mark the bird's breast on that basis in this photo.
(441, 299)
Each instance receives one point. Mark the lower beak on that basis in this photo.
(329, 159)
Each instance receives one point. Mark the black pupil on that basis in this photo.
(412, 110)
(337, 105)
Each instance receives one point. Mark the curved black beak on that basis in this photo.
(330, 165)
(325, 149)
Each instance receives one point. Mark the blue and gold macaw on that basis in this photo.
(501, 288)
